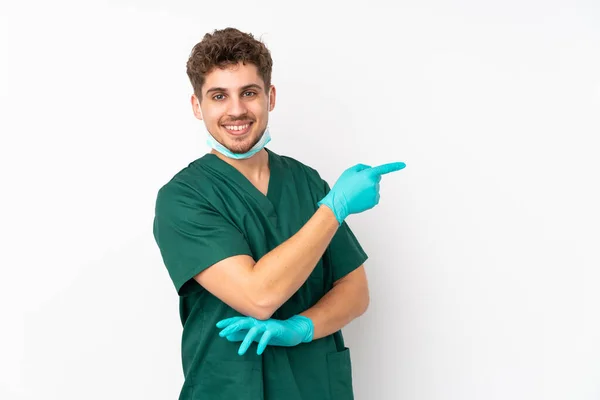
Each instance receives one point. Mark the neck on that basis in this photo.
(254, 167)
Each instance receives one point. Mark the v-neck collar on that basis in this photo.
(268, 201)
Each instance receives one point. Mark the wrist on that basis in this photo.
(336, 207)
(328, 215)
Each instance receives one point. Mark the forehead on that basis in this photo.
(232, 77)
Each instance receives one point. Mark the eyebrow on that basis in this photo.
(220, 89)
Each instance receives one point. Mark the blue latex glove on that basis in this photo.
(357, 189)
(290, 332)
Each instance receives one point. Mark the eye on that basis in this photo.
(249, 94)
(218, 97)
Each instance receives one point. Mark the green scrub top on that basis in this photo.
(208, 212)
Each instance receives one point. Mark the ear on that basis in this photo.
(272, 97)
(196, 107)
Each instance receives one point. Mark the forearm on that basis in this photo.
(342, 304)
(281, 272)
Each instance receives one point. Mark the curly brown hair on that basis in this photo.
(223, 48)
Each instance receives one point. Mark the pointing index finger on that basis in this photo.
(387, 168)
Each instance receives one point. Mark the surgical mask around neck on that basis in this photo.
(212, 143)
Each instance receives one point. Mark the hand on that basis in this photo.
(291, 332)
(357, 189)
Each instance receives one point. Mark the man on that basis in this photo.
(267, 270)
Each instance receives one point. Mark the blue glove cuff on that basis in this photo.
(337, 208)
(307, 327)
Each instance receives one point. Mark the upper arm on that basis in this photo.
(357, 279)
(201, 249)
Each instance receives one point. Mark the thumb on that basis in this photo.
(359, 167)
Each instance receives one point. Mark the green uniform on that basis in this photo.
(208, 212)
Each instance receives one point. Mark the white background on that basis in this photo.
(484, 252)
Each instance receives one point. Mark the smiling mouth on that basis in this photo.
(238, 130)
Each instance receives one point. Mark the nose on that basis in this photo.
(237, 107)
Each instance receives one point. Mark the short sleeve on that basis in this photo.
(344, 253)
(192, 235)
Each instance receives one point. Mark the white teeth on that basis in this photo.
(237, 128)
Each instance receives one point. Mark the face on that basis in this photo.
(235, 106)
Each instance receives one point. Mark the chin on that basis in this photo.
(243, 146)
